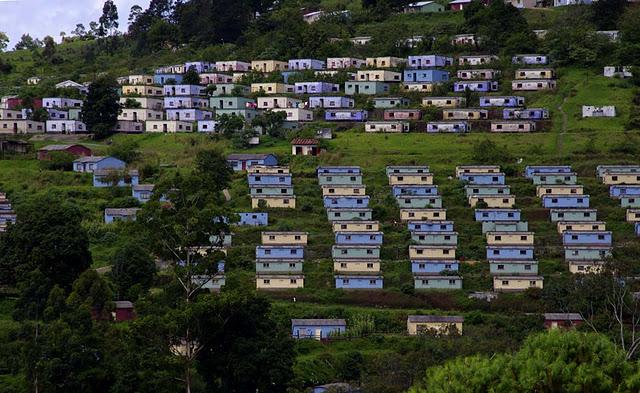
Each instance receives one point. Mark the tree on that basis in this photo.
(487, 151)
(606, 13)
(230, 124)
(629, 49)
(271, 122)
(191, 77)
(126, 150)
(80, 31)
(108, 22)
(133, 268)
(213, 170)
(495, 25)
(548, 362)
(48, 236)
(101, 107)
(134, 14)
(90, 290)
(27, 42)
(49, 50)
(4, 41)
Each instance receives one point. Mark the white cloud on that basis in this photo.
(49, 17)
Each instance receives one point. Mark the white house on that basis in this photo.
(617, 71)
(65, 126)
(60, 102)
(68, 84)
(296, 114)
(171, 126)
(386, 126)
(598, 111)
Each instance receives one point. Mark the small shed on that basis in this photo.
(317, 329)
(439, 324)
(562, 320)
(123, 311)
(76, 150)
(305, 147)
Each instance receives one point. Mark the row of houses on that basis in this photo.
(624, 185)
(270, 187)
(434, 241)
(510, 245)
(279, 260)
(585, 240)
(357, 238)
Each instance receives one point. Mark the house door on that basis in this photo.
(15, 128)
(314, 151)
(244, 165)
(298, 150)
(164, 128)
(64, 128)
(318, 334)
(135, 116)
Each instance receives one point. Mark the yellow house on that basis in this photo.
(281, 238)
(581, 226)
(385, 61)
(343, 189)
(142, 90)
(274, 201)
(559, 189)
(423, 214)
(493, 201)
(516, 283)
(275, 170)
(633, 215)
(444, 102)
(410, 178)
(378, 76)
(356, 266)
(424, 87)
(584, 267)
(140, 114)
(271, 88)
(279, 281)
(140, 79)
(510, 238)
(620, 178)
(432, 252)
(356, 226)
(438, 324)
(477, 169)
(269, 66)
(464, 114)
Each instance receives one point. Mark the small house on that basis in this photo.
(402, 114)
(431, 75)
(475, 60)
(587, 253)
(278, 102)
(530, 170)
(423, 214)
(550, 178)
(430, 226)
(533, 85)
(168, 126)
(513, 126)
(530, 59)
(425, 7)
(484, 189)
(317, 329)
(353, 190)
(356, 266)
(385, 62)
(227, 89)
(459, 5)
(232, 103)
(123, 311)
(389, 102)
(581, 226)
(65, 126)
(433, 267)
(315, 87)
(271, 190)
(415, 169)
(585, 267)
(266, 66)
(279, 266)
(305, 147)
(525, 114)
(410, 178)
(366, 88)
(535, 73)
(183, 90)
(378, 76)
(306, 64)
(189, 102)
(387, 126)
(429, 61)
(355, 251)
(264, 179)
(142, 192)
(142, 90)
(92, 163)
(364, 214)
(601, 238)
(340, 178)
(482, 86)
(569, 215)
(483, 178)
(329, 102)
(213, 78)
(166, 78)
(510, 238)
(444, 102)
(287, 202)
(272, 88)
(562, 320)
(358, 238)
(565, 201)
(492, 201)
(240, 162)
(623, 190)
(356, 226)
(509, 252)
(497, 101)
(602, 170)
(345, 202)
(335, 63)
(598, 111)
(504, 226)
(232, 66)
(75, 150)
(254, 219)
(418, 202)
(122, 214)
(279, 281)
(465, 114)
(559, 189)
(346, 115)
(436, 238)
(284, 252)
(188, 114)
(353, 281)
(439, 252)
(464, 40)
(617, 72)
(115, 178)
(513, 268)
(478, 74)
(439, 282)
(516, 283)
(497, 215)
(464, 169)
(414, 190)
(436, 324)
(140, 114)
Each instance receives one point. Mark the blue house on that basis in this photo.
(430, 226)
(240, 162)
(425, 76)
(508, 101)
(484, 86)
(427, 61)
(433, 267)
(351, 214)
(306, 64)
(507, 267)
(531, 170)
(346, 115)
(315, 87)
(417, 190)
(317, 329)
(363, 238)
(565, 201)
(418, 202)
(435, 238)
(280, 252)
(620, 190)
(142, 192)
(497, 215)
(358, 281)
(263, 179)
(600, 238)
(525, 114)
(162, 79)
(331, 102)
(509, 252)
(573, 215)
(346, 201)
(586, 253)
(126, 214)
(254, 219)
(105, 178)
(336, 170)
(483, 178)
(89, 164)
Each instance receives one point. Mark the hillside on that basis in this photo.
(376, 354)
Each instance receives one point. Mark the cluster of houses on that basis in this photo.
(64, 116)
(270, 186)
(279, 260)
(7, 215)
(433, 252)
(356, 251)
(585, 241)
(624, 185)
(510, 246)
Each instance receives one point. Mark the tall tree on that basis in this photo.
(49, 50)
(133, 270)
(27, 42)
(191, 77)
(109, 19)
(4, 41)
(101, 107)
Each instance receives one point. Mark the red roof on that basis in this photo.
(304, 141)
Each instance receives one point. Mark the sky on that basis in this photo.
(49, 17)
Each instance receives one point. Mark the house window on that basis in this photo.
(267, 252)
(532, 283)
(425, 282)
(452, 282)
(343, 265)
(266, 282)
(293, 281)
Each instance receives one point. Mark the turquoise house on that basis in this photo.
(334, 179)
(487, 190)
(513, 267)
(364, 214)
(355, 252)
(419, 202)
(554, 178)
(573, 215)
(631, 202)
(271, 190)
(435, 238)
(505, 226)
(406, 169)
(278, 266)
(437, 282)
(366, 88)
(586, 253)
